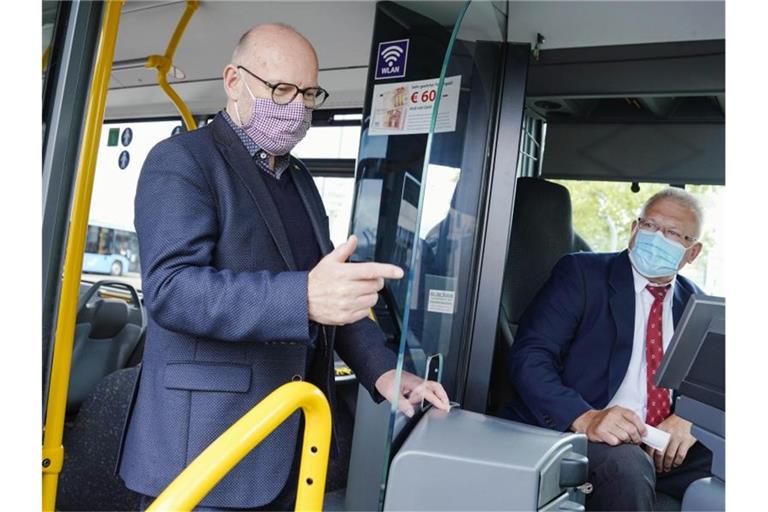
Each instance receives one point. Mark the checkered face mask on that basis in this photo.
(276, 128)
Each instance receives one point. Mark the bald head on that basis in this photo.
(273, 46)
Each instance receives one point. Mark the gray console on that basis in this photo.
(694, 365)
(462, 460)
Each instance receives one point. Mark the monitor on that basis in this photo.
(694, 362)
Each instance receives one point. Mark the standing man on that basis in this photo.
(243, 288)
(588, 347)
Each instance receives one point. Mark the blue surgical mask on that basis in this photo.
(654, 255)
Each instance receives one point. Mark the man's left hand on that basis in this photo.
(680, 442)
(412, 390)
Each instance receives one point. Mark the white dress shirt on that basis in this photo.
(633, 394)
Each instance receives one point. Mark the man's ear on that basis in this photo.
(694, 252)
(231, 80)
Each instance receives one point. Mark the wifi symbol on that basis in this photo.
(391, 54)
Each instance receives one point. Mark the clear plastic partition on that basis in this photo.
(421, 174)
(448, 195)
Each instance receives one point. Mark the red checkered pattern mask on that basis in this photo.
(276, 128)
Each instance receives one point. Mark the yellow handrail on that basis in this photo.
(197, 480)
(46, 56)
(164, 62)
(53, 451)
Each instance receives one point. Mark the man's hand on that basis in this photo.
(614, 426)
(412, 390)
(340, 293)
(680, 442)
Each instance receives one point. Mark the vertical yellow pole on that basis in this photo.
(53, 451)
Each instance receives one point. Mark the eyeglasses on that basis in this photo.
(670, 233)
(284, 93)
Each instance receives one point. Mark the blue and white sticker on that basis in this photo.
(124, 159)
(126, 137)
(392, 59)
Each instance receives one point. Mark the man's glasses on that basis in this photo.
(284, 93)
(670, 233)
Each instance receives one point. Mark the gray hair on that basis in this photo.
(681, 197)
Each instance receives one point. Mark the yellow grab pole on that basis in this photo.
(53, 451)
(192, 6)
(163, 66)
(46, 57)
(197, 480)
(164, 62)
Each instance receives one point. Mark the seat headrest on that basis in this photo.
(542, 232)
(109, 318)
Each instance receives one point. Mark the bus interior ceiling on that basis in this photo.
(651, 72)
(214, 29)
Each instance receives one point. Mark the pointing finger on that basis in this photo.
(372, 270)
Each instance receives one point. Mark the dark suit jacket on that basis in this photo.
(228, 320)
(574, 341)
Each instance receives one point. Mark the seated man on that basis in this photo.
(589, 345)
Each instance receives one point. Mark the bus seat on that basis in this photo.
(579, 244)
(87, 481)
(107, 333)
(542, 232)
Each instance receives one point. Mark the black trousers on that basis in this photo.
(625, 478)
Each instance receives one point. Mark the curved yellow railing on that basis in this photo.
(197, 480)
(46, 57)
(164, 62)
(53, 451)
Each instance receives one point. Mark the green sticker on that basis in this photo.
(114, 135)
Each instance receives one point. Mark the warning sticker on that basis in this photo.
(441, 301)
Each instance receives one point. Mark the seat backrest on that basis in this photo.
(542, 232)
(106, 334)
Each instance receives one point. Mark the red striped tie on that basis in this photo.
(658, 398)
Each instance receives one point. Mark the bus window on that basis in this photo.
(329, 145)
(329, 142)
(111, 247)
(337, 198)
(603, 213)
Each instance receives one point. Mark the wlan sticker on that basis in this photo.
(392, 59)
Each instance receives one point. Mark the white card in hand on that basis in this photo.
(655, 438)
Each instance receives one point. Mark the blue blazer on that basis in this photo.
(228, 320)
(574, 341)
